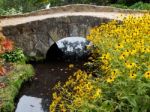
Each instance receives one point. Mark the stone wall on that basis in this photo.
(36, 37)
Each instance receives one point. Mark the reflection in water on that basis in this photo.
(73, 47)
(29, 104)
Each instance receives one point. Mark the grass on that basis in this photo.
(14, 80)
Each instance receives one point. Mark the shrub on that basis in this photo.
(138, 5)
(16, 56)
(122, 65)
(123, 60)
(10, 11)
(121, 49)
(141, 6)
(129, 2)
(6, 45)
(78, 93)
(9, 53)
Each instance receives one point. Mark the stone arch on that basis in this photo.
(67, 48)
(36, 37)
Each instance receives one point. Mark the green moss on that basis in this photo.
(15, 78)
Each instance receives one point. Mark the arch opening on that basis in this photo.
(69, 49)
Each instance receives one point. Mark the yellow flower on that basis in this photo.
(133, 52)
(77, 101)
(62, 107)
(126, 52)
(130, 65)
(71, 65)
(110, 79)
(124, 55)
(106, 62)
(103, 67)
(97, 93)
(127, 40)
(57, 98)
(52, 107)
(115, 72)
(132, 75)
(143, 50)
(147, 75)
(119, 46)
(106, 56)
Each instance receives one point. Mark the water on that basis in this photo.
(36, 94)
(74, 46)
(39, 89)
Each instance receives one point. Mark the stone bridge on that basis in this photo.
(35, 32)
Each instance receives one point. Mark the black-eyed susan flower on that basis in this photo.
(114, 72)
(97, 93)
(133, 52)
(130, 65)
(147, 75)
(119, 46)
(124, 55)
(110, 79)
(132, 75)
(106, 56)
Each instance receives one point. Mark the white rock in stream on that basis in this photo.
(29, 104)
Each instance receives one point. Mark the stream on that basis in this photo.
(36, 94)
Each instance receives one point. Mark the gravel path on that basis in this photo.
(21, 20)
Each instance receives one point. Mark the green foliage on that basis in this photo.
(9, 7)
(120, 6)
(16, 56)
(15, 78)
(128, 2)
(126, 95)
(11, 11)
(141, 6)
(138, 5)
(65, 2)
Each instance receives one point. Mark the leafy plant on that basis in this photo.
(14, 56)
(77, 93)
